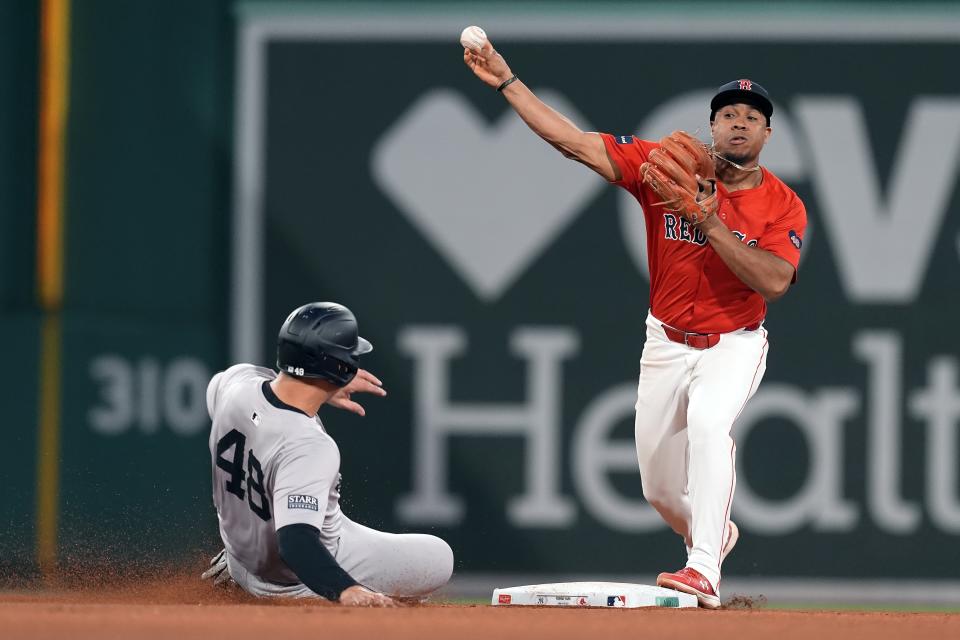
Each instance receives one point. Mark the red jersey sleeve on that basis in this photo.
(784, 236)
(628, 153)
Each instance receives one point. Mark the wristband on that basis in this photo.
(512, 78)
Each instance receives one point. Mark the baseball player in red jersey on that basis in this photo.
(722, 243)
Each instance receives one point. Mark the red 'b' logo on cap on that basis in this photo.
(746, 85)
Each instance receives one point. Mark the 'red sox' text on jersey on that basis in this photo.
(690, 286)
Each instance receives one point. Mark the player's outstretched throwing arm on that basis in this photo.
(555, 128)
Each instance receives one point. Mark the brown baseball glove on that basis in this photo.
(672, 170)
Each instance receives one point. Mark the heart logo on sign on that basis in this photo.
(489, 198)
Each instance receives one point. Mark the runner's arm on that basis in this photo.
(302, 551)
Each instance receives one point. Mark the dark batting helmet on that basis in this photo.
(320, 340)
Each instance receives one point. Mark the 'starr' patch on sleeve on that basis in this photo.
(303, 502)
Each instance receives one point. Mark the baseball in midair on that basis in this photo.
(473, 38)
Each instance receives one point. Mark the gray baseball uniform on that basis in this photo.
(275, 466)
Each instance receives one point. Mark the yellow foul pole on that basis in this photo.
(54, 88)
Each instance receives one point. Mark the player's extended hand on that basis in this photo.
(488, 65)
(359, 596)
(363, 382)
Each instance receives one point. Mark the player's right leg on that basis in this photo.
(409, 565)
(660, 427)
(724, 379)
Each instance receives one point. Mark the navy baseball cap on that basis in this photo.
(742, 92)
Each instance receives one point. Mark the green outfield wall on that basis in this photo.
(227, 163)
(18, 316)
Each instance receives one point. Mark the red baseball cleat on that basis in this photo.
(691, 581)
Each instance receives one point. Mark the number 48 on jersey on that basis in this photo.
(234, 466)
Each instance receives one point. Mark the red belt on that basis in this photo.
(700, 340)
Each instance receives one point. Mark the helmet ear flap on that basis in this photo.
(336, 371)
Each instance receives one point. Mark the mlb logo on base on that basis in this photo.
(616, 601)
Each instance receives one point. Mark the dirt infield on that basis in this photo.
(184, 608)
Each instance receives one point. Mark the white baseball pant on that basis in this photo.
(687, 402)
(408, 565)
